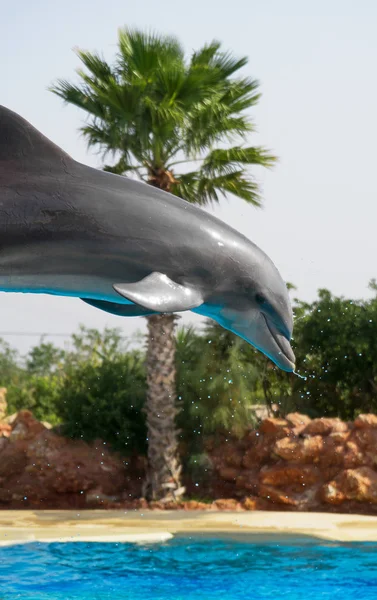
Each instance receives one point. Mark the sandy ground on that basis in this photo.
(153, 526)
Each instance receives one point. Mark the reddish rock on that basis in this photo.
(339, 437)
(5, 430)
(228, 454)
(140, 503)
(194, 505)
(282, 475)
(228, 473)
(352, 484)
(248, 480)
(353, 456)
(39, 468)
(25, 426)
(169, 505)
(276, 427)
(332, 454)
(331, 494)
(259, 451)
(364, 421)
(324, 427)
(276, 496)
(234, 458)
(13, 461)
(299, 450)
(227, 504)
(297, 420)
(273, 425)
(250, 503)
(364, 438)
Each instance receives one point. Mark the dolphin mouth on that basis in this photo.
(284, 346)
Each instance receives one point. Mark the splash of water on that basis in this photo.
(300, 376)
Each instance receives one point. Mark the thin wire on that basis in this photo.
(31, 333)
(36, 334)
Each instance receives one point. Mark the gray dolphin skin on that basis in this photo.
(128, 248)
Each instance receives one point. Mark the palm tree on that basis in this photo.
(156, 113)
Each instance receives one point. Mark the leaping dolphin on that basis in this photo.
(129, 248)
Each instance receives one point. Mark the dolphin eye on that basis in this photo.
(260, 299)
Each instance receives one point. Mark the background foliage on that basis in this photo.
(97, 387)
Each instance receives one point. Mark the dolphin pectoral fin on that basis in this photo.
(159, 293)
(121, 310)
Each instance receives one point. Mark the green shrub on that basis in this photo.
(105, 401)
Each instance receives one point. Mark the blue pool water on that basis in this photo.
(184, 569)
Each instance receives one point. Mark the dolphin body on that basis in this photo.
(129, 248)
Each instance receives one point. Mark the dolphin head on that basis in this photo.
(252, 301)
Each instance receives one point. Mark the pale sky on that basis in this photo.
(316, 62)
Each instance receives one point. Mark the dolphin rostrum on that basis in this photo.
(129, 248)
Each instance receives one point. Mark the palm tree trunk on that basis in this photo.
(164, 470)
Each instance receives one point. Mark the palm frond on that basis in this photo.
(96, 65)
(234, 182)
(199, 189)
(121, 167)
(205, 55)
(80, 97)
(228, 64)
(141, 55)
(222, 159)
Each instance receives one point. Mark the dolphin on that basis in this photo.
(128, 248)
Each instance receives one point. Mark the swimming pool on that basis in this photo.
(184, 569)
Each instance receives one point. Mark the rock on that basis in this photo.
(331, 494)
(173, 505)
(51, 471)
(248, 480)
(5, 496)
(303, 464)
(297, 420)
(339, 437)
(363, 421)
(234, 456)
(194, 505)
(299, 450)
(25, 426)
(250, 503)
(283, 475)
(324, 426)
(228, 454)
(227, 504)
(276, 496)
(5, 430)
(259, 449)
(156, 505)
(276, 426)
(353, 456)
(365, 439)
(228, 473)
(353, 484)
(332, 454)
(13, 460)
